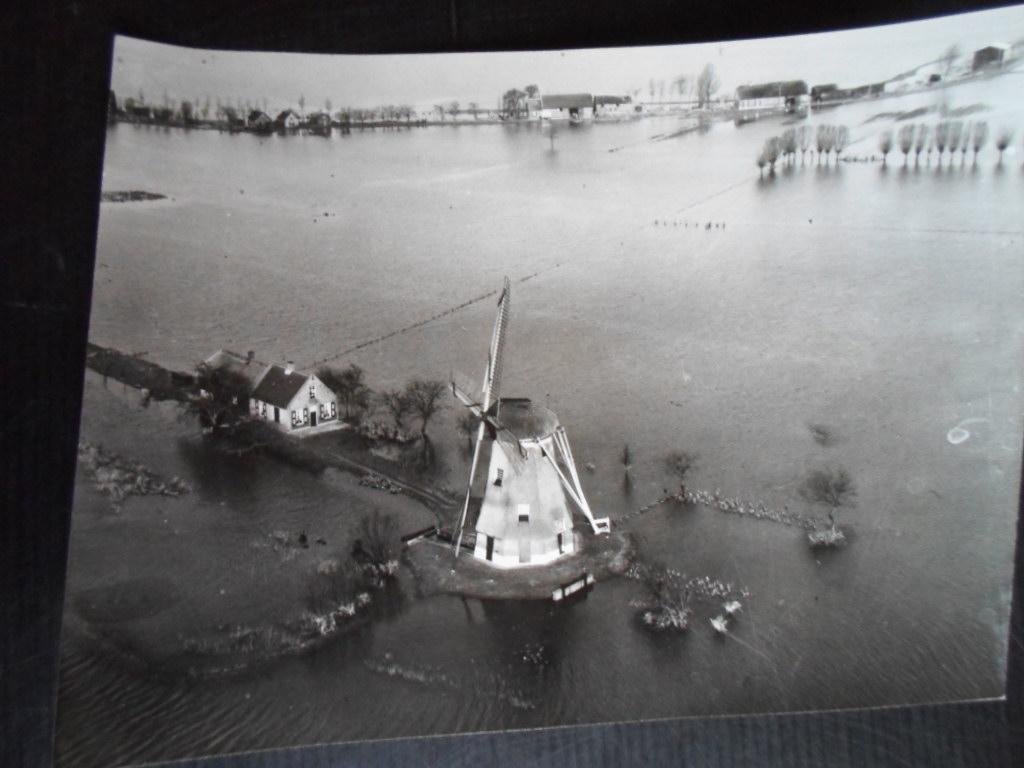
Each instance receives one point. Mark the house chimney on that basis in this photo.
(289, 369)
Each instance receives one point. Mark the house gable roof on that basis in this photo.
(567, 101)
(768, 90)
(278, 387)
(251, 369)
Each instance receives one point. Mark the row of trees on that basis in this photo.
(947, 135)
(826, 140)
(420, 398)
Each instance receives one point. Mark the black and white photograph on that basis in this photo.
(468, 392)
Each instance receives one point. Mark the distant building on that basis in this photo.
(259, 122)
(783, 97)
(574, 107)
(293, 401)
(824, 93)
(247, 367)
(989, 57)
(163, 114)
(319, 122)
(288, 120)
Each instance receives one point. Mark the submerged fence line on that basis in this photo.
(728, 505)
(426, 321)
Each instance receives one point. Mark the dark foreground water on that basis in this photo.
(886, 304)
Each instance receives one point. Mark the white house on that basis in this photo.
(574, 107)
(292, 400)
(786, 97)
(288, 120)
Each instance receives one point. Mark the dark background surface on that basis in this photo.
(54, 75)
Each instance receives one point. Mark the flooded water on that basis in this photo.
(884, 303)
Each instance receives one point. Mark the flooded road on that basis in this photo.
(882, 304)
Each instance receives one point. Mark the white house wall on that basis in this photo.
(325, 398)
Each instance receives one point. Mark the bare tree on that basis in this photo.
(397, 404)
(824, 140)
(453, 109)
(805, 136)
(842, 140)
(885, 145)
(425, 399)
(680, 463)
(1003, 139)
(941, 137)
(379, 543)
(788, 144)
(220, 399)
(349, 385)
(771, 152)
(978, 138)
(921, 135)
(707, 85)
(953, 136)
(906, 140)
(830, 486)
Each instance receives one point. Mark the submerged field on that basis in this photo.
(845, 315)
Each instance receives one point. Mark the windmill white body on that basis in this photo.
(524, 518)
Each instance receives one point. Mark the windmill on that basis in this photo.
(524, 516)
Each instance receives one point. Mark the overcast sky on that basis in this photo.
(847, 58)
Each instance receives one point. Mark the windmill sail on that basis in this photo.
(495, 356)
(491, 388)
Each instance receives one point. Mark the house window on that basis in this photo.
(312, 392)
(295, 418)
(497, 480)
(305, 415)
(263, 409)
(334, 410)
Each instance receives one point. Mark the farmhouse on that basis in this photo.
(288, 120)
(259, 121)
(753, 101)
(292, 400)
(319, 122)
(571, 106)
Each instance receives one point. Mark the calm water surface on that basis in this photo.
(884, 303)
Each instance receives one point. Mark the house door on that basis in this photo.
(490, 548)
(312, 418)
(277, 415)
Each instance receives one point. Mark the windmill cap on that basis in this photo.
(525, 419)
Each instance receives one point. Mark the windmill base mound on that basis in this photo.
(439, 572)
